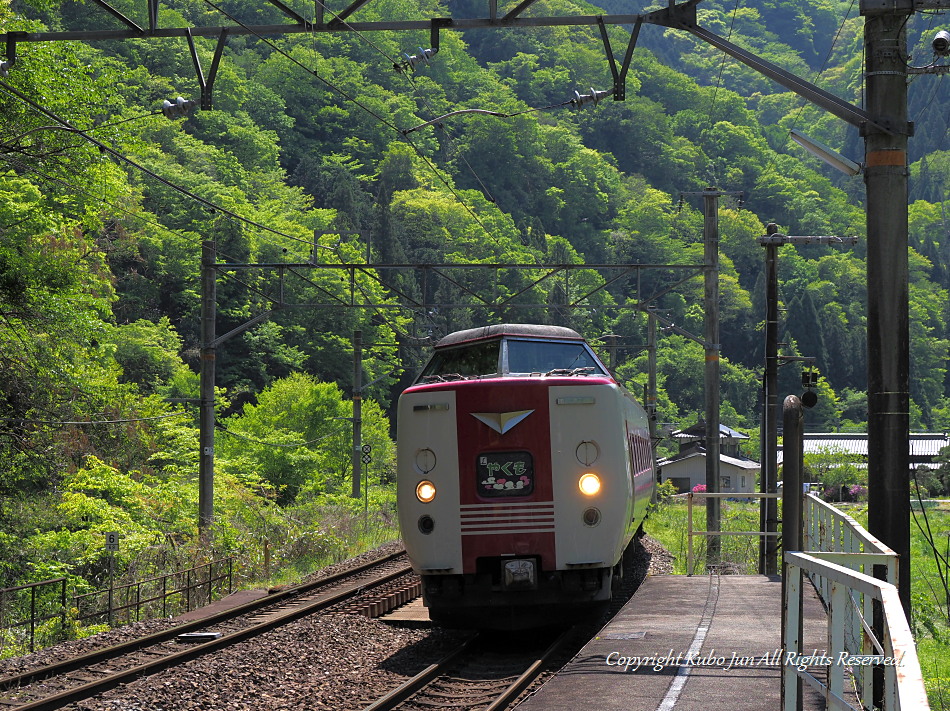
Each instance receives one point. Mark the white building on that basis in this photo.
(737, 474)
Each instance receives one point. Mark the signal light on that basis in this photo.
(809, 398)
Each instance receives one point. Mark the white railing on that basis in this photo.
(828, 530)
(839, 558)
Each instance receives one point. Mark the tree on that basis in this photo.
(835, 468)
(148, 355)
(296, 437)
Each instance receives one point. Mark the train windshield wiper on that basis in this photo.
(446, 378)
(569, 371)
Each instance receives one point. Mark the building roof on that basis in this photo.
(922, 444)
(738, 462)
(699, 431)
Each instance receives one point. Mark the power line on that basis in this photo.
(93, 422)
(372, 113)
(409, 78)
(65, 126)
(224, 429)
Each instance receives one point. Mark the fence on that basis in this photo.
(47, 602)
(689, 521)
(841, 560)
(159, 596)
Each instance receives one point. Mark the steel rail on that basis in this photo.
(56, 701)
(529, 675)
(420, 680)
(428, 675)
(59, 668)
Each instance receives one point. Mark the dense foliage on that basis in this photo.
(307, 157)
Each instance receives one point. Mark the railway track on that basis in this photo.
(480, 674)
(56, 685)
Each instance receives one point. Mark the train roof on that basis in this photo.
(530, 330)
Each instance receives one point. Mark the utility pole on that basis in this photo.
(357, 410)
(793, 445)
(206, 414)
(611, 339)
(651, 370)
(885, 176)
(768, 513)
(712, 370)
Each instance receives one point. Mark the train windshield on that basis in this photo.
(522, 357)
(551, 358)
(470, 361)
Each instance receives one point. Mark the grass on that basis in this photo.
(739, 554)
(930, 603)
(315, 537)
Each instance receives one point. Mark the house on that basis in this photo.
(737, 473)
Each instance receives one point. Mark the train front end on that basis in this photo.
(523, 471)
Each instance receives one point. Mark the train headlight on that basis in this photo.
(589, 484)
(425, 491)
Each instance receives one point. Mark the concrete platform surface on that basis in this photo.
(235, 599)
(412, 612)
(700, 643)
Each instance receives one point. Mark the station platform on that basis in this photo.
(700, 643)
(235, 599)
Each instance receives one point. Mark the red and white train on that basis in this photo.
(524, 471)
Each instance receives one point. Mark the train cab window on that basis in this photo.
(470, 361)
(504, 474)
(550, 358)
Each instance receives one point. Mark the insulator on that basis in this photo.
(594, 97)
(181, 107)
(413, 60)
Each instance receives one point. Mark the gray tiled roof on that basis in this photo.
(923, 445)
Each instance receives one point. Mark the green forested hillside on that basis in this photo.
(105, 202)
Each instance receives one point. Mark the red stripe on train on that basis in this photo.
(532, 435)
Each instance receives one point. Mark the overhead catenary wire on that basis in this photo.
(817, 75)
(384, 121)
(64, 125)
(390, 125)
(222, 428)
(27, 420)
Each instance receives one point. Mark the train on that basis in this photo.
(524, 471)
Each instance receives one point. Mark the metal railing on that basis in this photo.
(25, 609)
(735, 495)
(830, 531)
(854, 576)
(894, 652)
(43, 605)
(193, 587)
